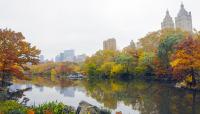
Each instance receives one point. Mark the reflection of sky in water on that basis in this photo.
(68, 95)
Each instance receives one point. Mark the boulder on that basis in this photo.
(86, 108)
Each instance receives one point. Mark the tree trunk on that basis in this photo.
(3, 79)
(194, 103)
(193, 78)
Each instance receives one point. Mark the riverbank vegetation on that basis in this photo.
(168, 54)
(54, 68)
(13, 107)
(171, 55)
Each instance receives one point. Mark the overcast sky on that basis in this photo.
(57, 25)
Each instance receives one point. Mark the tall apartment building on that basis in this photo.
(67, 55)
(167, 21)
(183, 20)
(42, 58)
(110, 44)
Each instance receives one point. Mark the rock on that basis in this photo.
(86, 108)
(119, 112)
(178, 85)
(68, 110)
(181, 85)
(1, 89)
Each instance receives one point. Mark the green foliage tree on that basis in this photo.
(145, 63)
(152, 40)
(127, 61)
(166, 48)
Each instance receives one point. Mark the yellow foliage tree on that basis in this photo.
(117, 69)
(186, 60)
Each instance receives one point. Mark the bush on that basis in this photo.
(10, 107)
(53, 108)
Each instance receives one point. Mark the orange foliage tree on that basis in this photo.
(15, 53)
(186, 60)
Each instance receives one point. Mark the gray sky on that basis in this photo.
(57, 25)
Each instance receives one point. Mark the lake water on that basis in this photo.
(134, 97)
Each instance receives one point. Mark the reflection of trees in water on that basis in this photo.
(41, 81)
(61, 85)
(68, 91)
(148, 98)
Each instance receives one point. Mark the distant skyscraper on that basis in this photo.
(167, 21)
(109, 44)
(80, 58)
(42, 58)
(183, 20)
(57, 59)
(130, 48)
(67, 55)
(132, 44)
(62, 57)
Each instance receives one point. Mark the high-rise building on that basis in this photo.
(132, 45)
(109, 44)
(80, 58)
(62, 57)
(57, 58)
(167, 21)
(183, 20)
(67, 55)
(42, 58)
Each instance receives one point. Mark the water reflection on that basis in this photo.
(129, 97)
(146, 97)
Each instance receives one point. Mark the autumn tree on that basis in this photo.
(186, 60)
(127, 61)
(151, 41)
(96, 64)
(165, 50)
(15, 53)
(145, 63)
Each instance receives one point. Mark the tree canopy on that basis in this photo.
(16, 53)
(186, 60)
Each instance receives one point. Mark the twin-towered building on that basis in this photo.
(183, 20)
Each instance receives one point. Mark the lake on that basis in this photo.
(132, 97)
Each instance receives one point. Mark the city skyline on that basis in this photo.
(79, 25)
(183, 20)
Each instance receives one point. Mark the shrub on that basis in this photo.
(10, 107)
(53, 108)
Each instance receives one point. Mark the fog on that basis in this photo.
(82, 25)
